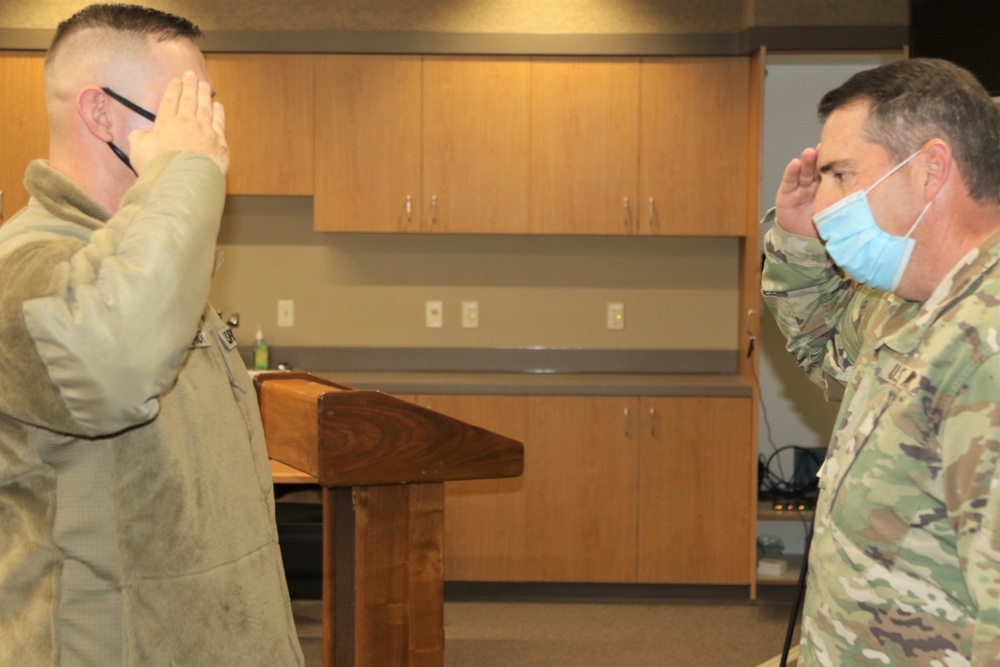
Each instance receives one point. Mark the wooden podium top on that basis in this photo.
(345, 437)
(282, 473)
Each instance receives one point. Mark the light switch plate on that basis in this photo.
(616, 316)
(286, 313)
(434, 314)
(470, 314)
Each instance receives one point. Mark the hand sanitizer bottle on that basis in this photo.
(260, 352)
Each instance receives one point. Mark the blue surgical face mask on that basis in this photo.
(859, 246)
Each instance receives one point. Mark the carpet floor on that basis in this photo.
(604, 633)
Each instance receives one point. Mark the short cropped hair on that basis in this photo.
(128, 19)
(915, 100)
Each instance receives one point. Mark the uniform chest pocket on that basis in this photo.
(880, 486)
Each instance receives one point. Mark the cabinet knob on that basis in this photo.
(626, 423)
(434, 206)
(652, 422)
(625, 215)
(652, 213)
(409, 208)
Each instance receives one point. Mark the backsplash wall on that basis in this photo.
(369, 290)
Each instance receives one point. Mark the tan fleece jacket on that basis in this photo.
(136, 506)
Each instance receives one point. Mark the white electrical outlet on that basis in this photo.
(434, 314)
(286, 313)
(616, 315)
(470, 314)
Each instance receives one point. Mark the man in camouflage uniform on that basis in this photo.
(899, 310)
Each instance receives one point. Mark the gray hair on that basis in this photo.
(916, 100)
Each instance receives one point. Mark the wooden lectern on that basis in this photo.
(382, 464)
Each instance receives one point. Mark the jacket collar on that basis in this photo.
(965, 277)
(62, 197)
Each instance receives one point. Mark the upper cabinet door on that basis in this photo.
(268, 100)
(584, 164)
(693, 152)
(368, 133)
(476, 137)
(25, 134)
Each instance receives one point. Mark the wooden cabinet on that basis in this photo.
(693, 147)
(544, 145)
(453, 144)
(571, 516)
(583, 483)
(584, 166)
(25, 134)
(657, 146)
(269, 122)
(268, 100)
(486, 521)
(615, 490)
(696, 498)
(410, 144)
(368, 135)
(475, 143)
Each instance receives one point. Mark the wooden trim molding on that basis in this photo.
(785, 38)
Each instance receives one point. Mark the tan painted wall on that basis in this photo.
(369, 289)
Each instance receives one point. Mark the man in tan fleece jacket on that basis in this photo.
(136, 506)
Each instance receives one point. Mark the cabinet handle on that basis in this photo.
(625, 216)
(625, 423)
(652, 422)
(409, 208)
(434, 206)
(652, 213)
(751, 338)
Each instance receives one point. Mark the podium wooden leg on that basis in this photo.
(338, 561)
(383, 576)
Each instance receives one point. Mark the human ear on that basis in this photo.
(938, 161)
(91, 104)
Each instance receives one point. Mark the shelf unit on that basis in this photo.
(790, 577)
(767, 512)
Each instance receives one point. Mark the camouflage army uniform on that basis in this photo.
(904, 567)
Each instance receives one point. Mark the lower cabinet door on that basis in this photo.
(695, 498)
(582, 489)
(615, 490)
(485, 520)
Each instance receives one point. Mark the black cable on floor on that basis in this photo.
(800, 592)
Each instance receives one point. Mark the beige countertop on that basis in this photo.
(579, 384)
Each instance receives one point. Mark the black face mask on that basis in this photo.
(134, 107)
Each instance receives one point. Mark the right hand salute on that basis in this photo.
(188, 120)
(794, 203)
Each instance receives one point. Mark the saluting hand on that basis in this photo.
(796, 194)
(188, 120)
